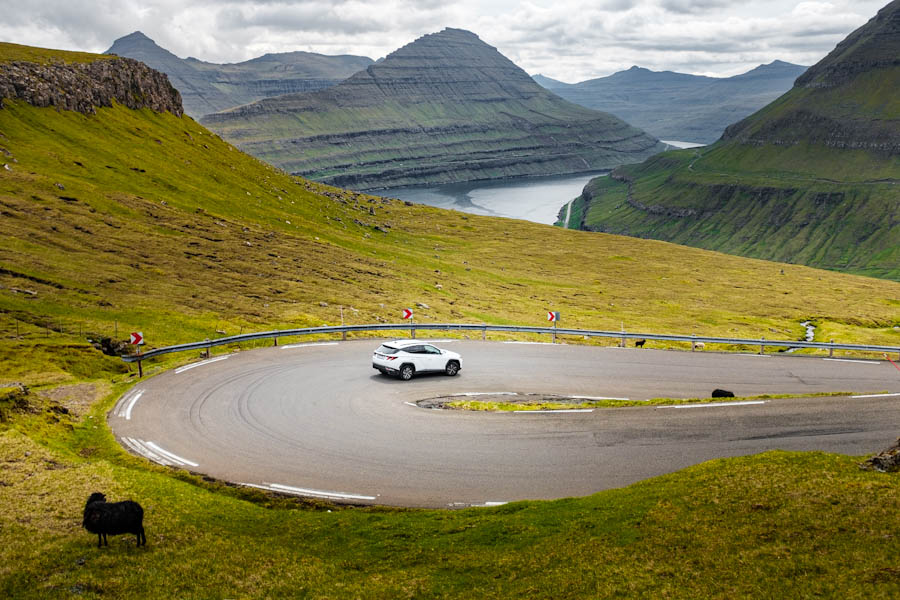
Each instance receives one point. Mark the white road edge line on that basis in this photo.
(289, 346)
(535, 343)
(200, 364)
(131, 404)
(715, 404)
(864, 362)
(138, 446)
(597, 398)
(171, 456)
(876, 396)
(277, 487)
(566, 410)
(484, 394)
(119, 409)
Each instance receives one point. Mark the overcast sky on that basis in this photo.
(570, 40)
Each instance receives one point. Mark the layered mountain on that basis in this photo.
(812, 178)
(444, 108)
(208, 87)
(678, 106)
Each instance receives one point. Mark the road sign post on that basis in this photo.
(553, 316)
(408, 315)
(137, 339)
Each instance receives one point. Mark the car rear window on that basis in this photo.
(385, 349)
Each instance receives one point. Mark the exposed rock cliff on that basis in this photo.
(209, 87)
(444, 108)
(84, 86)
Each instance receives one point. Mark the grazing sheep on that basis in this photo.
(113, 518)
(640, 343)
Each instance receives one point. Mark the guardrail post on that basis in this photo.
(412, 331)
(762, 347)
(622, 343)
(276, 341)
(484, 333)
(207, 348)
(344, 335)
(693, 343)
(831, 350)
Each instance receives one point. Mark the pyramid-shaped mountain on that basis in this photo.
(209, 87)
(445, 108)
(812, 178)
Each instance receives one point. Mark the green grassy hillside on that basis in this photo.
(144, 221)
(813, 178)
(133, 220)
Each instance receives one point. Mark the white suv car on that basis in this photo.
(408, 357)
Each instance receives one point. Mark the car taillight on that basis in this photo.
(391, 357)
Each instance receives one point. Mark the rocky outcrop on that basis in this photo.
(444, 108)
(83, 87)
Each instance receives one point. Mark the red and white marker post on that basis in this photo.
(408, 315)
(553, 317)
(137, 339)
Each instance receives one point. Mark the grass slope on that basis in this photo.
(778, 208)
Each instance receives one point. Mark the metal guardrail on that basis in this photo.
(483, 328)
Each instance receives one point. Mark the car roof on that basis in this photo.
(403, 343)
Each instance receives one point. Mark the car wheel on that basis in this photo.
(407, 372)
(452, 368)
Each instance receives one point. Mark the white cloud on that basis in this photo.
(569, 40)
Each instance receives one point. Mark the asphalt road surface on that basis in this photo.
(317, 420)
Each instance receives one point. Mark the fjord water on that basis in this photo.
(535, 199)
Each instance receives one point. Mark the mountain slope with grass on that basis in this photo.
(117, 219)
(679, 106)
(444, 108)
(208, 87)
(813, 178)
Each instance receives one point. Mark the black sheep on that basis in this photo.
(113, 518)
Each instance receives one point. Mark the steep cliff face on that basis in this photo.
(208, 87)
(812, 178)
(447, 107)
(84, 86)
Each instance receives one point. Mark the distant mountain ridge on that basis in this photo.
(680, 106)
(812, 178)
(209, 87)
(446, 107)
